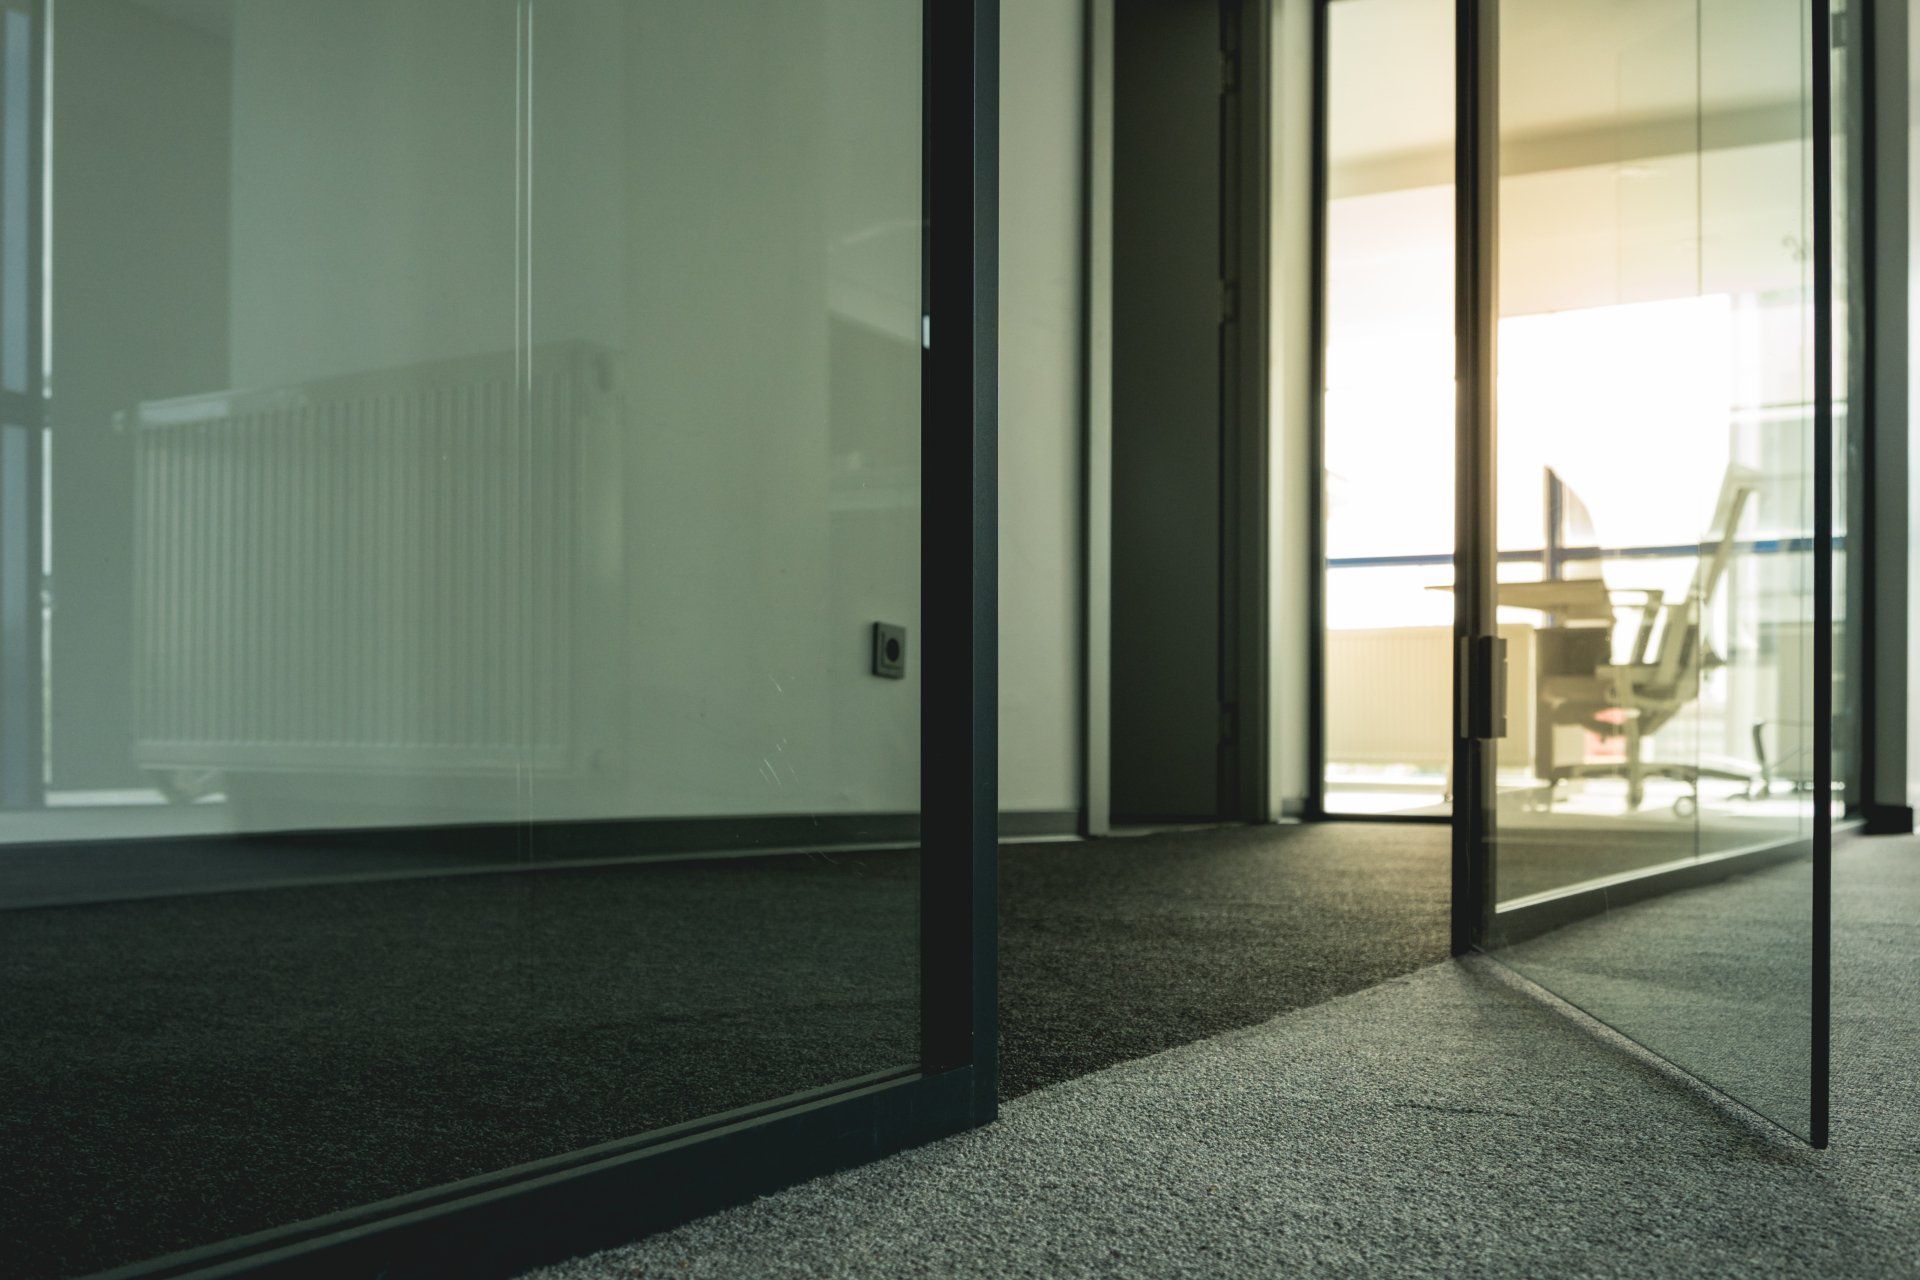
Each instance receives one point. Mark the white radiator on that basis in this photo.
(378, 572)
(1389, 697)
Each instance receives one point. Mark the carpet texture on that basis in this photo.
(179, 1070)
(184, 1069)
(189, 1068)
(1717, 979)
(1115, 949)
(1440, 1124)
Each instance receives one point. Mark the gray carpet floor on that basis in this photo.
(1718, 980)
(1443, 1123)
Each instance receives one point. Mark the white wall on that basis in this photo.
(1041, 341)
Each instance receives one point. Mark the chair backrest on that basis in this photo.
(1678, 656)
(1570, 530)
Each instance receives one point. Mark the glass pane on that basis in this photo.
(726, 240)
(1656, 420)
(1389, 441)
(446, 494)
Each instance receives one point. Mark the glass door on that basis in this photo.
(1659, 483)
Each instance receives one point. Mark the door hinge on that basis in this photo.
(1229, 70)
(1229, 726)
(1480, 684)
(1838, 26)
(1229, 300)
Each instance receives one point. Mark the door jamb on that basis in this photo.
(1245, 357)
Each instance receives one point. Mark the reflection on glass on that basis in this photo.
(444, 502)
(1655, 470)
(1388, 408)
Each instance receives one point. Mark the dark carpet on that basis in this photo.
(178, 1070)
(1115, 949)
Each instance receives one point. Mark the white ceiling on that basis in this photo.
(1566, 66)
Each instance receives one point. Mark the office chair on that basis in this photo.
(1637, 698)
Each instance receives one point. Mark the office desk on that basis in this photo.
(1569, 599)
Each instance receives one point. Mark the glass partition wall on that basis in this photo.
(462, 561)
(1662, 541)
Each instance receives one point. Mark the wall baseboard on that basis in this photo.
(589, 838)
(1028, 824)
(1888, 819)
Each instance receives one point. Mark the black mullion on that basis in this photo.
(1476, 194)
(1316, 429)
(959, 573)
(1820, 47)
(1227, 408)
(1860, 714)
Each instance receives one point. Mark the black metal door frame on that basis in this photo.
(1476, 317)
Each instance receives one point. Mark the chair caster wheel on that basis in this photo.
(1685, 807)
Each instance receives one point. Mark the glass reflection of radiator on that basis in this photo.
(375, 573)
(1389, 697)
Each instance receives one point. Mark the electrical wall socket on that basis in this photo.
(889, 651)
